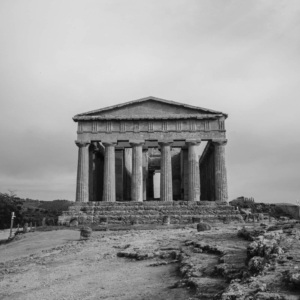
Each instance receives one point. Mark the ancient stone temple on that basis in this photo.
(115, 146)
(151, 152)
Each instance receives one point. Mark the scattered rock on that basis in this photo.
(256, 264)
(203, 227)
(292, 278)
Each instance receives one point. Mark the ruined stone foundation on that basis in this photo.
(150, 212)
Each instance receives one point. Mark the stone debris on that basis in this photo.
(163, 263)
(241, 263)
(203, 227)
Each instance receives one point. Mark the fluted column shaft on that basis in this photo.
(137, 172)
(193, 170)
(145, 174)
(82, 186)
(221, 192)
(109, 183)
(166, 191)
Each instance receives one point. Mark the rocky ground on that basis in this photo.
(227, 262)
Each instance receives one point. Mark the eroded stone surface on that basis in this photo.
(215, 264)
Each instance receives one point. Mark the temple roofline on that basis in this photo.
(209, 111)
(146, 117)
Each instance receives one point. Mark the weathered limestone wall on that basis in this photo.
(150, 212)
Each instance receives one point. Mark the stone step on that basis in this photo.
(119, 208)
(150, 212)
(148, 208)
(148, 219)
(155, 203)
(153, 212)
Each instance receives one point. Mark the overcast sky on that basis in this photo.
(63, 57)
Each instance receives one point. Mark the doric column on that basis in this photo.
(220, 170)
(166, 191)
(193, 170)
(137, 171)
(127, 173)
(82, 187)
(109, 183)
(145, 174)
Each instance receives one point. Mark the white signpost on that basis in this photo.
(11, 224)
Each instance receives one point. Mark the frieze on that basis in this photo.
(80, 127)
(151, 126)
(165, 125)
(178, 125)
(192, 125)
(108, 126)
(206, 126)
(221, 125)
(136, 126)
(95, 126)
(122, 126)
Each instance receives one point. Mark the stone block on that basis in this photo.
(203, 227)
(152, 212)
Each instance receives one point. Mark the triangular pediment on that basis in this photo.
(149, 107)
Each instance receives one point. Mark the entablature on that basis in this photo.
(153, 125)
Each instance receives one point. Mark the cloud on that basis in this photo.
(61, 58)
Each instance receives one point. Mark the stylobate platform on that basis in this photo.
(150, 212)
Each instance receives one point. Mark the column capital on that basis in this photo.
(107, 144)
(82, 143)
(193, 142)
(165, 142)
(136, 143)
(219, 142)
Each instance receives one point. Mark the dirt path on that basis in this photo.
(72, 269)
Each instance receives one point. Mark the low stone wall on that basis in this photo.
(150, 212)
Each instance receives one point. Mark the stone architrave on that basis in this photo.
(220, 170)
(166, 191)
(127, 173)
(109, 183)
(137, 171)
(82, 187)
(193, 170)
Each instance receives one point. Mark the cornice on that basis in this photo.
(148, 117)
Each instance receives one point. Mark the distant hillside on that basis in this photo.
(28, 210)
(273, 209)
